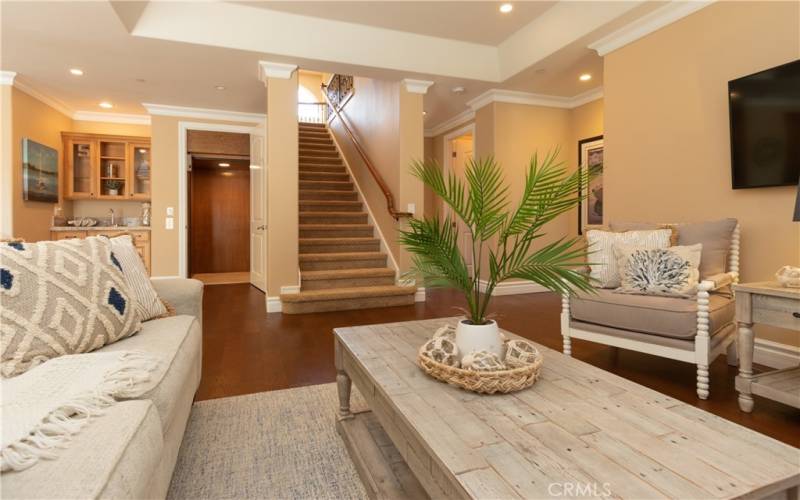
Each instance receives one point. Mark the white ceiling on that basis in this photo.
(175, 53)
(474, 21)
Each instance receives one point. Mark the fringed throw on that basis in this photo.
(47, 405)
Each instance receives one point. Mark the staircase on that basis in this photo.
(341, 265)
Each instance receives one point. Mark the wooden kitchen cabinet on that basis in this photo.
(106, 167)
(140, 237)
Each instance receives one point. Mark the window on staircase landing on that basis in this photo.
(309, 109)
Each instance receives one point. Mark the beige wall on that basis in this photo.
(165, 249)
(282, 172)
(312, 82)
(37, 121)
(373, 113)
(666, 123)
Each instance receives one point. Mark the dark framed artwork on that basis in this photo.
(590, 157)
(39, 172)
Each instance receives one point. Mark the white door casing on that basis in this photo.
(258, 208)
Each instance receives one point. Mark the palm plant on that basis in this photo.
(505, 237)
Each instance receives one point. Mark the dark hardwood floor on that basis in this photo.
(246, 351)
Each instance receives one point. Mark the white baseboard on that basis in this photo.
(420, 295)
(290, 289)
(513, 287)
(274, 305)
(775, 355)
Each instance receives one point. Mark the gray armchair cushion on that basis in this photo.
(665, 316)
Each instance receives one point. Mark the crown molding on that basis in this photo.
(647, 24)
(203, 113)
(517, 97)
(96, 116)
(451, 123)
(267, 69)
(514, 97)
(50, 101)
(7, 77)
(417, 86)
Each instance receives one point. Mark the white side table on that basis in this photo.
(771, 304)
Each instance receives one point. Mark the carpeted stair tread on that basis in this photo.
(340, 205)
(326, 185)
(341, 241)
(347, 273)
(342, 256)
(349, 293)
(327, 195)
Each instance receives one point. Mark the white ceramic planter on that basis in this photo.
(471, 338)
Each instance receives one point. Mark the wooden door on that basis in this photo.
(220, 220)
(258, 210)
(81, 163)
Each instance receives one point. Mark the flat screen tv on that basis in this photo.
(765, 127)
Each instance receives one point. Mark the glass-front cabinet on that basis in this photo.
(106, 167)
(80, 160)
(139, 173)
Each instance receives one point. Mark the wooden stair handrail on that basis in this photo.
(372, 170)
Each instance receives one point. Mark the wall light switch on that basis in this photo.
(170, 211)
(412, 208)
(170, 223)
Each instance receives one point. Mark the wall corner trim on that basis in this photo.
(267, 69)
(419, 296)
(274, 305)
(417, 86)
(204, 113)
(7, 77)
(95, 116)
(663, 16)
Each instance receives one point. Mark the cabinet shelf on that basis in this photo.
(88, 158)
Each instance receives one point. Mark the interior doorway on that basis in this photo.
(219, 219)
(222, 206)
(459, 150)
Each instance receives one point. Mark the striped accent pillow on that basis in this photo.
(604, 267)
(128, 259)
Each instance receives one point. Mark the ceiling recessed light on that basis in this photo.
(106, 105)
(227, 174)
(506, 8)
(76, 71)
(220, 87)
(585, 77)
(224, 164)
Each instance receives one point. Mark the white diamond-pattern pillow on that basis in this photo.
(601, 246)
(60, 297)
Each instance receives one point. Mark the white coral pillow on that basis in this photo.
(147, 301)
(601, 246)
(669, 271)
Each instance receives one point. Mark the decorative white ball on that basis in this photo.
(448, 331)
(789, 276)
(442, 350)
(520, 353)
(482, 361)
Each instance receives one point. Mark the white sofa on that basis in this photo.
(130, 451)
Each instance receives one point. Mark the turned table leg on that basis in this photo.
(343, 383)
(746, 347)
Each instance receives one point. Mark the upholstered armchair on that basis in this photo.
(694, 330)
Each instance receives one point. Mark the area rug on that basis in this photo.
(279, 444)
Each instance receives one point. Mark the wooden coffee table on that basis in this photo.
(578, 432)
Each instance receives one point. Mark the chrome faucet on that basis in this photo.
(111, 212)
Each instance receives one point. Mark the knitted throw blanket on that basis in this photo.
(42, 408)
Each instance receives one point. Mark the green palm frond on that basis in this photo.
(511, 239)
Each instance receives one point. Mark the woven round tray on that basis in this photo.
(503, 381)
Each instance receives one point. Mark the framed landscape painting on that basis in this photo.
(39, 172)
(590, 157)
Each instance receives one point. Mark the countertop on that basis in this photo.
(100, 228)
